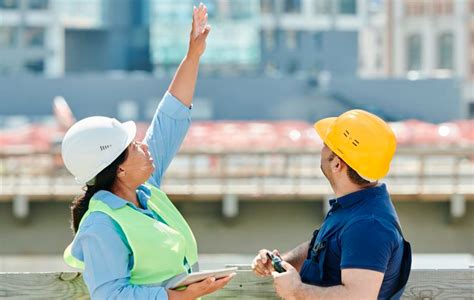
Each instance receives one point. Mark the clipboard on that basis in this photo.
(200, 276)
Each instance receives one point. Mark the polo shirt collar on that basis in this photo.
(115, 202)
(355, 197)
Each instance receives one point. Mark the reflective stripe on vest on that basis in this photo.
(159, 250)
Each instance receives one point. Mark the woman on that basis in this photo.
(130, 239)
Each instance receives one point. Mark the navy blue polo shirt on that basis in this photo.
(368, 238)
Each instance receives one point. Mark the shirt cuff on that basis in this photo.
(364, 267)
(174, 108)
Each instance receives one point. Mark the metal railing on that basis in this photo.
(427, 173)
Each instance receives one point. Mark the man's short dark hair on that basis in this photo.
(353, 175)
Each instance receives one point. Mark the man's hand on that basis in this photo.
(261, 265)
(200, 30)
(287, 283)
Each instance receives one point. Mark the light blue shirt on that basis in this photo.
(101, 243)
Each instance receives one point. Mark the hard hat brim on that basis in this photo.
(322, 127)
(131, 128)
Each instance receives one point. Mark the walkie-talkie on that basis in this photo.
(276, 262)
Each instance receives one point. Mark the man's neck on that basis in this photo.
(347, 188)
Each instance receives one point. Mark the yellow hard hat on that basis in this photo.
(363, 140)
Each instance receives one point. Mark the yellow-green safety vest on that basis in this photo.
(159, 250)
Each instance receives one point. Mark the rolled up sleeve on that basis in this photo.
(173, 108)
(166, 133)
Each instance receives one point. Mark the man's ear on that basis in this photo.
(337, 165)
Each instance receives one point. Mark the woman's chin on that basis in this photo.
(152, 169)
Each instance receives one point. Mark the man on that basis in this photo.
(359, 251)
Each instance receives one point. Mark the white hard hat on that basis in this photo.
(93, 143)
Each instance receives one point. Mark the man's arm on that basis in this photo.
(262, 266)
(366, 249)
(297, 256)
(356, 284)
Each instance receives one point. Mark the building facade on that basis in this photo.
(420, 39)
(54, 37)
(31, 37)
(233, 46)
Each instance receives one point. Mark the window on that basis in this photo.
(8, 4)
(376, 6)
(212, 9)
(300, 35)
(415, 7)
(378, 61)
(271, 67)
(445, 51)
(292, 65)
(471, 110)
(150, 108)
(443, 7)
(379, 39)
(38, 4)
(292, 6)
(241, 9)
(318, 41)
(347, 7)
(8, 36)
(34, 36)
(127, 110)
(203, 111)
(35, 65)
(323, 7)
(267, 6)
(413, 52)
(269, 39)
(291, 39)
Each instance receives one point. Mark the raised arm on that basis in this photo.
(184, 82)
(172, 118)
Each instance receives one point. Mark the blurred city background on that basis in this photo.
(247, 176)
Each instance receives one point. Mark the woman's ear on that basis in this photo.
(120, 172)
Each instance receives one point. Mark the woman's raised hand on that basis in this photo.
(200, 30)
